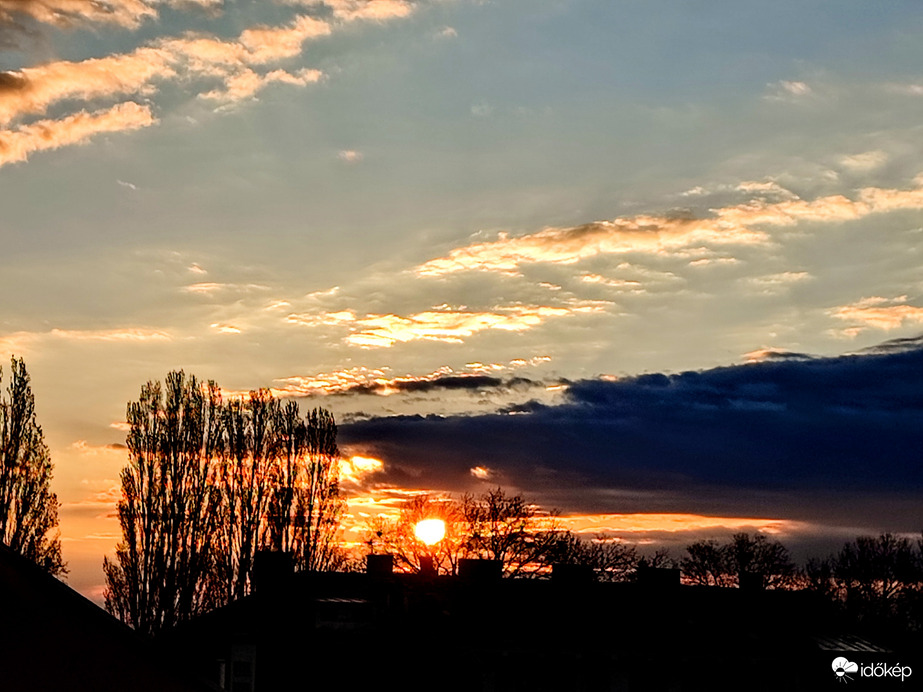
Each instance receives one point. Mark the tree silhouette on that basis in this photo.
(712, 564)
(168, 511)
(397, 536)
(610, 560)
(493, 526)
(509, 529)
(28, 508)
(707, 564)
(878, 578)
(208, 485)
(243, 485)
(306, 506)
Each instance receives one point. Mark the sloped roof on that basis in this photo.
(52, 638)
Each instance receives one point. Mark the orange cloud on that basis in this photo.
(66, 13)
(330, 319)
(453, 326)
(268, 44)
(379, 381)
(878, 313)
(665, 235)
(244, 84)
(126, 13)
(369, 9)
(355, 468)
(671, 523)
(17, 145)
(34, 89)
(350, 10)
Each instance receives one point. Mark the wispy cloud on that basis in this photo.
(66, 13)
(362, 9)
(877, 313)
(455, 325)
(211, 287)
(33, 89)
(664, 235)
(239, 65)
(770, 284)
(380, 382)
(111, 334)
(322, 319)
(19, 342)
(16, 145)
(864, 162)
(84, 448)
(787, 90)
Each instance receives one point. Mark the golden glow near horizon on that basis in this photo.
(643, 523)
(430, 531)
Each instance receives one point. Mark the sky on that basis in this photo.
(657, 265)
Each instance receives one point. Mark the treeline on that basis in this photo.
(209, 483)
(525, 540)
(876, 582)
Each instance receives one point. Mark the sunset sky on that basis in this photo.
(654, 264)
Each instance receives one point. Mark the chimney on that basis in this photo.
(379, 565)
(427, 566)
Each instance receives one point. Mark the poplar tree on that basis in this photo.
(28, 508)
(168, 507)
(209, 484)
(243, 486)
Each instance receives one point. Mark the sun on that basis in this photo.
(430, 531)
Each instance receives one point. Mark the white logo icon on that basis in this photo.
(841, 667)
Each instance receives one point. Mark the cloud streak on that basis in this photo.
(878, 313)
(443, 323)
(44, 135)
(740, 224)
(18, 342)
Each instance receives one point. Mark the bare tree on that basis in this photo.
(764, 557)
(707, 564)
(493, 526)
(208, 485)
(877, 576)
(28, 508)
(510, 529)
(396, 536)
(610, 559)
(712, 564)
(318, 504)
(246, 460)
(167, 511)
